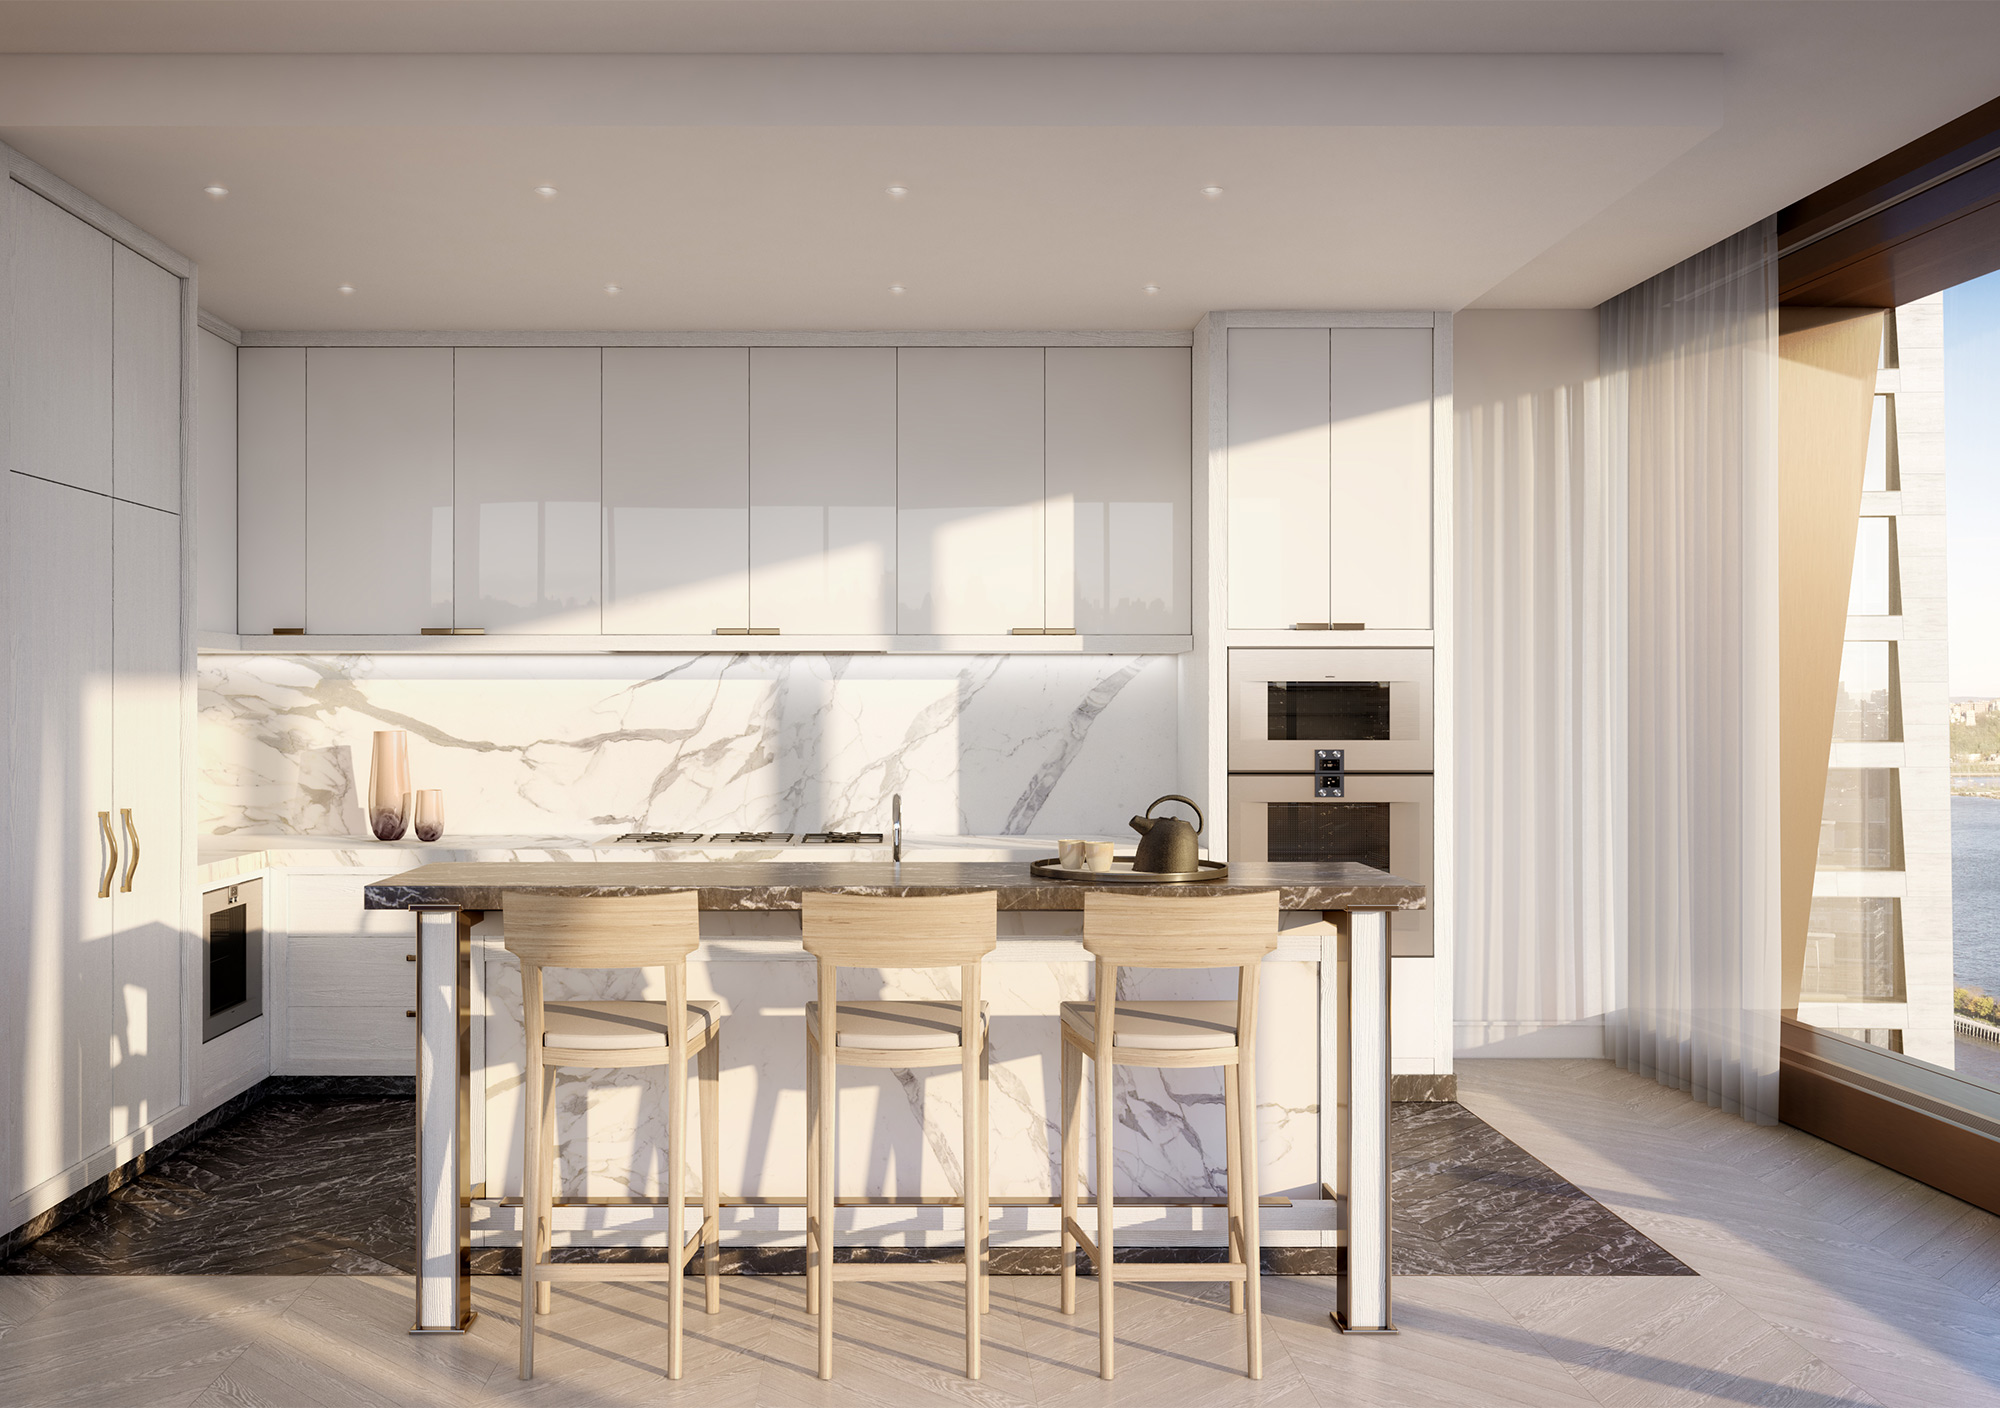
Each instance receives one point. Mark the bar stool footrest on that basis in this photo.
(899, 1271)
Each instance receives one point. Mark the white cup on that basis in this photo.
(1100, 854)
(1073, 855)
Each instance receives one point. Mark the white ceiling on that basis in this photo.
(1370, 157)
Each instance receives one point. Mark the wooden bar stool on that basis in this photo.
(645, 931)
(880, 931)
(1142, 931)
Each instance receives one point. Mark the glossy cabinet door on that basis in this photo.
(528, 489)
(146, 899)
(1279, 442)
(969, 490)
(56, 1002)
(1381, 477)
(58, 412)
(823, 490)
(378, 490)
(270, 489)
(676, 490)
(1120, 485)
(145, 381)
(215, 483)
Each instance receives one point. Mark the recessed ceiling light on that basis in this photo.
(218, 192)
(613, 288)
(345, 289)
(1211, 191)
(898, 192)
(1151, 288)
(895, 288)
(546, 192)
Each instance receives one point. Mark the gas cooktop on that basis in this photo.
(750, 838)
(842, 838)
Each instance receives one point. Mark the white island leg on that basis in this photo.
(444, 1085)
(1363, 1306)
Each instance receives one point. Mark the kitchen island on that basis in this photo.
(1323, 1106)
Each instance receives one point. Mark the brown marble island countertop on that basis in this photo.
(778, 885)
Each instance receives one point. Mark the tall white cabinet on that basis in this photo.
(95, 939)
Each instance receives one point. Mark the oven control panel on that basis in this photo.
(1329, 772)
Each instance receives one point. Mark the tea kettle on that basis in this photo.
(1167, 843)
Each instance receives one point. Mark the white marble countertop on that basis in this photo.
(222, 858)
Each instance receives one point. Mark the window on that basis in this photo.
(1880, 473)
(1860, 827)
(1874, 592)
(1868, 709)
(1854, 951)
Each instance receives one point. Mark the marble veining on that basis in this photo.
(779, 885)
(537, 745)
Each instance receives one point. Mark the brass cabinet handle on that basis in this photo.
(110, 856)
(746, 630)
(132, 860)
(1027, 631)
(409, 958)
(762, 631)
(411, 1013)
(1329, 625)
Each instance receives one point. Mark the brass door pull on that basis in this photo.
(132, 858)
(110, 856)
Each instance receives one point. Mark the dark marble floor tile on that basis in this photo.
(300, 1184)
(316, 1181)
(1469, 1201)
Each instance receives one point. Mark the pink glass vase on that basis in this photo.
(389, 786)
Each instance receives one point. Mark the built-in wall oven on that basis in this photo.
(1330, 755)
(232, 951)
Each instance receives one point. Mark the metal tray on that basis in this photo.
(1122, 873)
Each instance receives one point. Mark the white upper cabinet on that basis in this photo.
(378, 490)
(1119, 485)
(270, 489)
(145, 382)
(1330, 472)
(1381, 481)
(823, 490)
(528, 489)
(58, 417)
(1280, 514)
(215, 484)
(969, 490)
(676, 490)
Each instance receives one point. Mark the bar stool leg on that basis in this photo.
(1253, 1242)
(985, 1174)
(545, 1202)
(531, 1177)
(968, 1079)
(829, 1105)
(812, 1175)
(1233, 1143)
(1072, 1137)
(676, 1190)
(711, 1163)
(1103, 1069)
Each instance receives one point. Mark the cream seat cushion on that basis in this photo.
(894, 1026)
(619, 1026)
(1159, 1026)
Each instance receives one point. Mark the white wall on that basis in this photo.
(215, 484)
(1540, 543)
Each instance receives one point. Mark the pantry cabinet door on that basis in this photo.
(528, 484)
(969, 490)
(676, 490)
(270, 489)
(1279, 447)
(147, 900)
(58, 412)
(378, 490)
(1120, 490)
(145, 382)
(1381, 385)
(56, 1003)
(823, 490)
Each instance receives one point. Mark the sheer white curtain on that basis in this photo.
(1539, 796)
(1689, 391)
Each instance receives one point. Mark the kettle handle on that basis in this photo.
(1199, 821)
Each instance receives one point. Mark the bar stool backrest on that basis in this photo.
(601, 931)
(1163, 931)
(900, 931)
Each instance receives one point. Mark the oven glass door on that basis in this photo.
(1285, 705)
(1381, 821)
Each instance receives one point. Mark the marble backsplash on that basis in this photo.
(982, 744)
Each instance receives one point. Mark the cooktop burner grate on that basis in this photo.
(752, 838)
(663, 838)
(842, 838)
